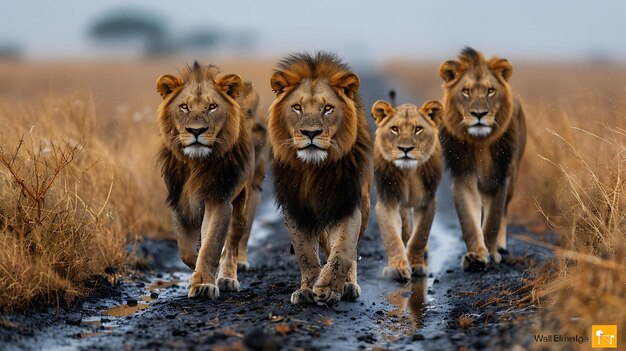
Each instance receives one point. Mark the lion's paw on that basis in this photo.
(324, 295)
(474, 262)
(419, 270)
(243, 266)
(351, 291)
(496, 257)
(302, 296)
(227, 284)
(203, 291)
(397, 273)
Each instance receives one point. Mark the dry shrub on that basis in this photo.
(63, 203)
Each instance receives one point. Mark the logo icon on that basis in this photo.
(604, 336)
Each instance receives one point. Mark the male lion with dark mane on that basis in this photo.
(207, 160)
(322, 171)
(483, 138)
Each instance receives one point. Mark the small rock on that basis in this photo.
(436, 281)
(418, 337)
(154, 295)
(449, 271)
(74, 319)
(258, 339)
(380, 312)
(131, 302)
(177, 332)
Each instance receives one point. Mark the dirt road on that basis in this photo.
(150, 310)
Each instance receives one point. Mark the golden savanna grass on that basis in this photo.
(573, 179)
(78, 173)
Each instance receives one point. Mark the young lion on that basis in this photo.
(322, 170)
(407, 168)
(483, 138)
(207, 160)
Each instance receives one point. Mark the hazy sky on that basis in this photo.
(366, 29)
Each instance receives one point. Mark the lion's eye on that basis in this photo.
(491, 91)
(465, 92)
(328, 109)
(418, 129)
(212, 107)
(394, 130)
(184, 108)
(297, 108)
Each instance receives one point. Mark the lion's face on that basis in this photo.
(319, 117)
(478, 96)
(200, 113)
(407, 135)
(312, 118)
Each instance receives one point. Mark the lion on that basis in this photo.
(249, 102)
(322, 170)
(408, 164)
(207, 163)
(483, 139)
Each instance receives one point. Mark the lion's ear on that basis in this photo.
(349, 83)
(434, 110)
(501, 67)
(230, 84)
(380, 110)
(281, 81)
(166, 84)
(449, 70)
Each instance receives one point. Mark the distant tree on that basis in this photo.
(126, 26)
(10, 51)
(201, 38)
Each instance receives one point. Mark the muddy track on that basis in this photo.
(150, 310)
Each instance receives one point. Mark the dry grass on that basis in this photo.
(573, 180)
(78, 173)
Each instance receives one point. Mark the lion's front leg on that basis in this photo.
(214, 230)
(493, 225)
(390, 223)
(468, 205)
(344, 238)
(306, 248)
(227, 277)
(417, 245)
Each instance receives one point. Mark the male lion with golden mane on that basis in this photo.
(207, 160)
(483, 138)
(322, 171)
(407, 169)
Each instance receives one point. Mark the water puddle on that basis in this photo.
(90, 335)
(410, 302)
(162, 284)
(125, 310)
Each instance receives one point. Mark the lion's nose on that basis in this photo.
(196, 131)
(406, 149)
(311, 133)
(478, 113)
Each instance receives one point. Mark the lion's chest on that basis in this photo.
(415, 193)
